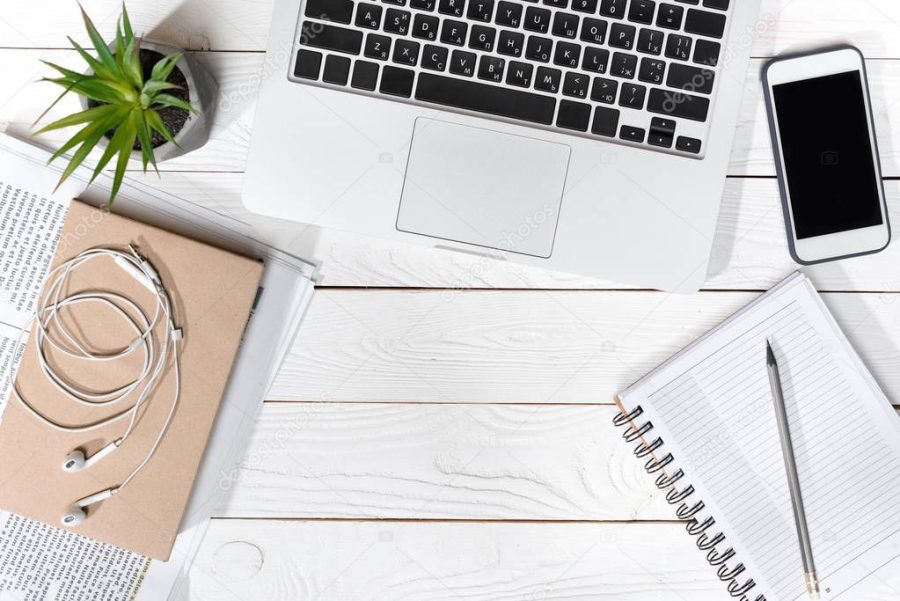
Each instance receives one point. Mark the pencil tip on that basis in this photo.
(770, 356)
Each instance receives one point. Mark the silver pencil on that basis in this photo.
(790, 466)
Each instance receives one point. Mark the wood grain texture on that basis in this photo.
(326, 561)
(239, 74)
(468, 462)
(533, 346)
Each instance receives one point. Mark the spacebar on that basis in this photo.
(482, 98)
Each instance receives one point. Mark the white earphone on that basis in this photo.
(69, 341)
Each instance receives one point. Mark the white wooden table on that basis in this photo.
(442, 427)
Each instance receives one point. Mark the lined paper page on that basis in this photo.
(714, 410)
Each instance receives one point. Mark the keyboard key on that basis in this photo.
(482, 38)
(650, 41)
(397, 21)
(396, 81)
(538, 49)
(604, 90)
(662, 132)
(622, 36)
(434, 57)
(537, 19)
(519, 74)
(329, 37)
(308, 64)
(679, 47)
(576, 84)
(481, 10)
(567, 54)
(678, 104)
(595, 59)
(624, 65)
(509, 14)
(613, 8)
(406, 52)
(606, 122)
(641, 11)
(491, 68)
(339, 11)
(692, 79)
(707, 53)
(463, 63)
(585, 6)
(425, 27)
(573, 115)
(396, 2)
(511, 43)
(705, 23)
(378, 46)
(565, 25)
(556, 3)
(652, 71)
(337, 70)
(632, 134)
(632, 96)
(485, 98)
(594, 31)
(670, 16)
(422, 4)
(685, 144)
(454, 8)
(365, 74)
(454, 32)
(716, 4)
(548, 79)
(368, 16)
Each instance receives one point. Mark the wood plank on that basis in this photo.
(404, 561)
(244, 24)
(466, 462)
(532, 346)
(750, 251)
(239, 74)
(440, 462)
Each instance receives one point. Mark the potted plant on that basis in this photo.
(138, 98)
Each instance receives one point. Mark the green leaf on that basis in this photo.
(92, 114)
(153, 86)
(104, 125)
(63, 71)
(169, 100)
(100, 46)
(163, 69)
(156, 122)
(132, 63)
(146, 139)
(120, 46)
(114, 146)
(126, 23)
(101, 90)
(126, 145)
(89, 140)
(96, 66)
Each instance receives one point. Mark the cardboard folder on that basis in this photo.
(212, 291)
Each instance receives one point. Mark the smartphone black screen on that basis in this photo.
(827, 152)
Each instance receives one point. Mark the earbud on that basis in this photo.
(76, 460)
(76, 514)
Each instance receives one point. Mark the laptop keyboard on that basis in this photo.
(638, 72)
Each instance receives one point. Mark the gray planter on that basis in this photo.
(202, 91)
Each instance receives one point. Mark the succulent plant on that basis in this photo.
(124, 105)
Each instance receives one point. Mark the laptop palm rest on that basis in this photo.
(483, 187)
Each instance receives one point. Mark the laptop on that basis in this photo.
(583, 136)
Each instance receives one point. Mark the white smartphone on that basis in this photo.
(826, 155)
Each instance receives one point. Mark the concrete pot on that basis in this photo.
(202, 93)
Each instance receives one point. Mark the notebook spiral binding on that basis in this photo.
(688, 508)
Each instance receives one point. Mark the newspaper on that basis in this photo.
(40, 562)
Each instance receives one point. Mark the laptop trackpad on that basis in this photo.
(483, 187)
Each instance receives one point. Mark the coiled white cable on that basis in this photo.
(51, 332)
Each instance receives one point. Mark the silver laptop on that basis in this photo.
(584, 136)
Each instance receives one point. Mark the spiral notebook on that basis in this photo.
(704, 426)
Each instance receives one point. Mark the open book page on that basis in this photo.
(712, 406)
